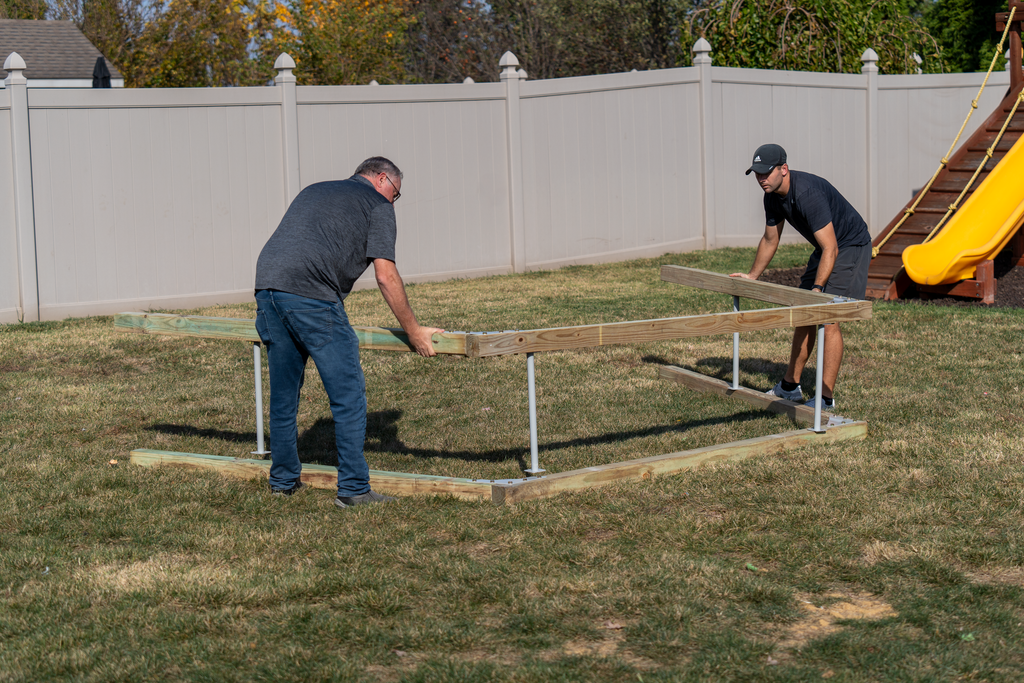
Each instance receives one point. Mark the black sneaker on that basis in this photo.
(362, 499)
(287, 492)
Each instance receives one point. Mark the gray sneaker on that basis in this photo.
(828, 406)
(796, 395)
(362, 499)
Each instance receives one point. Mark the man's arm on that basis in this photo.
(766, 249)
(826, 239)
(393, 290)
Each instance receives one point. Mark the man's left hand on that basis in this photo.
(422, 340)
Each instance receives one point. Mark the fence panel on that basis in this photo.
(611, 167)
(152, 198)
(449, 141)
(8, 237)
(818, 118)
(918, 118)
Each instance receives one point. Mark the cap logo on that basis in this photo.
(757, 158)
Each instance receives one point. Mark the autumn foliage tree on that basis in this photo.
(336, 42)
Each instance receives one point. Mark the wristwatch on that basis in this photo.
(818, 287)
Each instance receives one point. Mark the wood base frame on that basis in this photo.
(515, 491)
(983, 286)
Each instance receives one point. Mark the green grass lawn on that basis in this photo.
(898, 558)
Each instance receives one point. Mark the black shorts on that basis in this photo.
(849, 276)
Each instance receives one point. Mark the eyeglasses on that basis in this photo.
(397, 193)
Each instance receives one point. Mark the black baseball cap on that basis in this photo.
(766, 158)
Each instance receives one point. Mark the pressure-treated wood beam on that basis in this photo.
(695, 380)
(318, 476)
(750, 289)
(244, 329)
(645, 468)
(585, 336)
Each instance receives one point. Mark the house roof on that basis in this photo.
(51, 49)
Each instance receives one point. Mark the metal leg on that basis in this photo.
(736, 348)
(258, 371)
(817, 378)
(534, 465)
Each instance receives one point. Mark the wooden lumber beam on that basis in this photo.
(318, 476)
(645, 468)
(635, 332)
(735, 286)
(695, 380)
(244, 329)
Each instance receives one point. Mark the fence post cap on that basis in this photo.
(508, 66)
(14, 62)
(702, 45)
(284, 61)
(869, 56)
(468, 80)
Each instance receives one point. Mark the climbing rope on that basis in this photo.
(907, 213)
(988, 155)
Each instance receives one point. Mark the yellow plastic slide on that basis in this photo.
(978, 231)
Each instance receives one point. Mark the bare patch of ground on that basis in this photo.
(819, 622)
(1010, 576)
(613, 636)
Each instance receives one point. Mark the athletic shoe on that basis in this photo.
(362, 499)
(827, 405)
(795, 395)
(287, 492)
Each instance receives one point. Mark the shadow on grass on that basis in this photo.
(720, 367)
(316, 444)
(189, 430)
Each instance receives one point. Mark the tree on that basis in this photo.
(814, 35)
(966, 30)
(23, 9)
(554, 38)
(452, 40)
(336, 42)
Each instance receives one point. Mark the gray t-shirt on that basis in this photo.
(811, 204)
(327, 238)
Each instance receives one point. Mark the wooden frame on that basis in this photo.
(799, 308)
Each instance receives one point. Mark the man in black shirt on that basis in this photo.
(838, 265)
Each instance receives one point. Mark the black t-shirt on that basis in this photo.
(811, 204)
(327, 238)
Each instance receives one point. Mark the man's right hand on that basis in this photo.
(745, 276)
(422, 340)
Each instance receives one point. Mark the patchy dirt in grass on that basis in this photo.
(613, 636)
(1009, 576)
(884, 551)
(1009, 286)
(819, 622)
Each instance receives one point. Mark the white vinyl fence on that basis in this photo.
(115, 200)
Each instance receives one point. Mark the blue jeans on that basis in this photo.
(293, 329)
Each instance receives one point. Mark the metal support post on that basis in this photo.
(258, 372)
(736, 348)
(817, 379)
(534, 465)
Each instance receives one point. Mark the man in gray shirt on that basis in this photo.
(330, 234)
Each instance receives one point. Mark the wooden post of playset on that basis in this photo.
(1016, 80)
(1015, 41)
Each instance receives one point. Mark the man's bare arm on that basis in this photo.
(393, 290)
(766, 249)
(826, 238)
